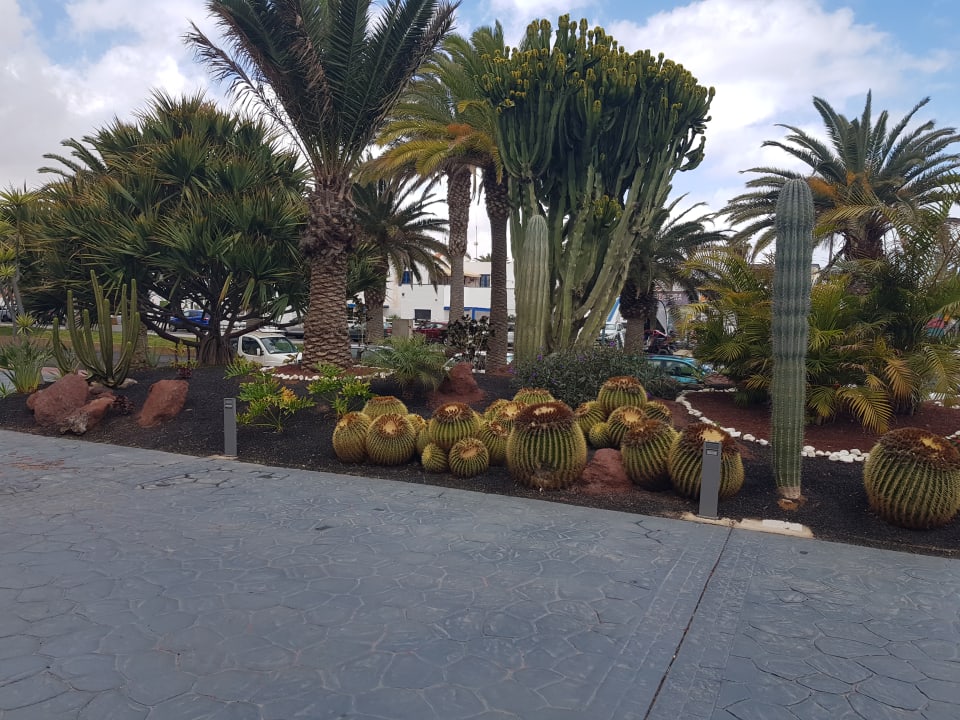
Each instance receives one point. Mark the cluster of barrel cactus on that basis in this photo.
(542, 441)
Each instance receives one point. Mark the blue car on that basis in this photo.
(190, 319)
(684, 370)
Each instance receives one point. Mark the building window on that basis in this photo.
(484, 281)
(406, 278)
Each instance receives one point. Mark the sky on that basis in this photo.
(68, 67)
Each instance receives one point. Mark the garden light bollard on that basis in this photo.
(710, 481)
(230, 427)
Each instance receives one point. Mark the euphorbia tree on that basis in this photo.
(590, 136)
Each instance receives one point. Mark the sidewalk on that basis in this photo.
(138, 584)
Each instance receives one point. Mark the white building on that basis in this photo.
(409, 299)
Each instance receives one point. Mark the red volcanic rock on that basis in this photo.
(460, 381)
(604, 474)
(88, 416)
(164, 401)
(51, 406)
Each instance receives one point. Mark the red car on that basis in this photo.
(432, 331)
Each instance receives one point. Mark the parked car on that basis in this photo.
(5, 315)
(268, 348)
(433, 331)
(191, 318)
(684, 370)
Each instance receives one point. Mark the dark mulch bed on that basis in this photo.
(835, 507)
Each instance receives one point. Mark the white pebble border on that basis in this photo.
(845, 456)
(307, 377)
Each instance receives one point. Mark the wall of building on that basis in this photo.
(413, 300)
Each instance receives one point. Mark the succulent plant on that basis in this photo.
(434, 459)
(533, 294)
(789, 327)
(599, 436)
(468, 458)
(589, 414)
(912, 479)
(656, 410)
(350, 437)
(491, 412)
(685, 464)
(494, 434)
(423, 439)
(452, 422)
(546, 448)
(619, 392)
(416, 421)
(645, 451)
(383, 405)
(508, 412)
(621, 420)
(390, 440)
(532, 396)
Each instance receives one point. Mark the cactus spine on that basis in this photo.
(795, 219)
(532, 396)
(382, 405)
(100, 362)
(912, 479)
(621, 420)
(533, 294)
(452, 422)
(656, 410)
(434, 459)
(599, 435)
(546, 449)
(589, 414)
(494, 434)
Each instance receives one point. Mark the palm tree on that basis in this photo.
(659, 260)
(329, 74)
(445, 127)
(398, 234)
(18, 209)
(863, 163)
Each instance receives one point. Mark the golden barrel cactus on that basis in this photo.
(546, 449)
(685, 464)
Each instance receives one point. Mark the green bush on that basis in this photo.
(412, 360)
(23, 362)
(575, 375)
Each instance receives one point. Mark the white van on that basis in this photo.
(270, 348)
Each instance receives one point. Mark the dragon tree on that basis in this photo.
(590, 137)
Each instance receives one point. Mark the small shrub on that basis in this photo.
(575, 375)
(412, 360)
(24, 361)
(468, 335)
(342, 392)
(270, 403)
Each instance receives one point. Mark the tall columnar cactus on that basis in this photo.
(533, 293)
(795, 219)
(99, 359)
(546, 449)
(912, 479)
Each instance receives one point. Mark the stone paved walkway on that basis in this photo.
(137, 584)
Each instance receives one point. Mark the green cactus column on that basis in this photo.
(795, 219)
(533, 291)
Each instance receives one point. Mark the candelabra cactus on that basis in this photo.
(390, 440)
(350, 437)
(452, 422)
(795, 219)
(645, 451)
(546, 448)
(533, 294)
(912, 479)
(620, 391)
(685, 463)
(468, 458)
(98, 357)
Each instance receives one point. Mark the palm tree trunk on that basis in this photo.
(498, 211)
(373, 299)
(634, 311)
(458, 208)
